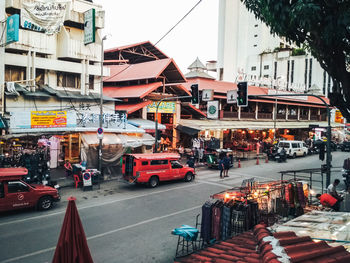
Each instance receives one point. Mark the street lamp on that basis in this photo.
(101, 109)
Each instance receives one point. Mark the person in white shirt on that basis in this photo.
(331, 189)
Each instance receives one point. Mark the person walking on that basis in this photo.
(226, 162)
(221, 167)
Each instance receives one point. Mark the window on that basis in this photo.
(292, 73)
(253, 68)
(324, 82)
(175, 165)
(40, 76)
(255, 45)
(283, 144)
(13, 73)
(256, 25)
(144, 163)
(275, 73)
(295, 145)
(310, 72)
(17, 186)
(159, 162)
(68, 80)
(266, 76)
(305, 74)
(91, 81)
(2, 192)
(288, 69)
(329, 84)
(304, 145)
(266, 67)
(255, 35)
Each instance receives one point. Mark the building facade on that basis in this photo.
(248, 51)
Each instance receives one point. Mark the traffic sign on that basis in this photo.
(99, 131)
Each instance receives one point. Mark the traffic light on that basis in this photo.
(195, 93)
(242, 94)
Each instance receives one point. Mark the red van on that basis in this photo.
(152, 168)
(17, 194)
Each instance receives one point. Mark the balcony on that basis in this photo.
(75, 49)
(229, 114)
(247, 115)
(304, 117)
(265, 116)
(281, 116)
(34, 41)
(292, 117)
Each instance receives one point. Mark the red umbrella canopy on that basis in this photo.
(72, 245)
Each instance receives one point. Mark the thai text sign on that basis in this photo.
(48, 119)
(44, 15)
(164, 107)
(109, 120)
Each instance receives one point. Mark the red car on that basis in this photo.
(152, 168)
(17, 194)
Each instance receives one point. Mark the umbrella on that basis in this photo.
(72, 245)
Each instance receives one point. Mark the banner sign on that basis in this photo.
(213, 109)
(12, 29)
(48, 119)
(89, 26)
(109, 120)
(44, 15)
(43, 119)
(164, 107)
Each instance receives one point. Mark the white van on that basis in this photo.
(293, 148)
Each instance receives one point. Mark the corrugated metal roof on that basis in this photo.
(132, 107)
(138, 91)
(146, 124)
(147, 70)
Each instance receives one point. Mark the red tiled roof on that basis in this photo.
(138, 91)
(260, 246)
(130, 108)
(140, 71)
(193, 108)
(223, 87)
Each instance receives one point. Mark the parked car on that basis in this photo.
(293, 148)
(154, 168)
(16, 193)
(345, 146)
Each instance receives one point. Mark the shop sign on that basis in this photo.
(48, 119)
(164, 107)
(109, 120)
(12, 29)
(213, 109)
(89, 26)
(279, 92)
(338, 117)
(44, 15)
(43, 119)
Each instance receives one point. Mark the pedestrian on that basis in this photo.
(190, 162)
(69, 168)
(226, 163)
(221, 167)
(329, 201)
(331, 189)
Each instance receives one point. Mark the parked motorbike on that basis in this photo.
(281, 157)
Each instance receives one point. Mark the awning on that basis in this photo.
(252, 125)
(138, 91)
(135, 141)
(192, 109)
(128, 129)
(108, 138)
(187, 130)
(132, 107)
(147, 125)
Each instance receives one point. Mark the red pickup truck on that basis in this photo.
(152, 168)
(17, 194)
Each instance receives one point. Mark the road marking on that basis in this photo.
(105, 233)
(101, 204)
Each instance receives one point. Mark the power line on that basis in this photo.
(167, 33)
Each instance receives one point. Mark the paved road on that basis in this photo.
(125, 223)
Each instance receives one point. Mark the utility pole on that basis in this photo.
(2, 55)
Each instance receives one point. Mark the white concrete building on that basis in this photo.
(247, 50)
(60, 61)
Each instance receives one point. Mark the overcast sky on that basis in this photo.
(133, 21)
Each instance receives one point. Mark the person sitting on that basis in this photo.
(331, 189)
(329, 201)
(68, 167)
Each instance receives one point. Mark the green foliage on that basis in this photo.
(298, 52)
(320, 26)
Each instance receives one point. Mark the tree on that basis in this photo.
(323, 27)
